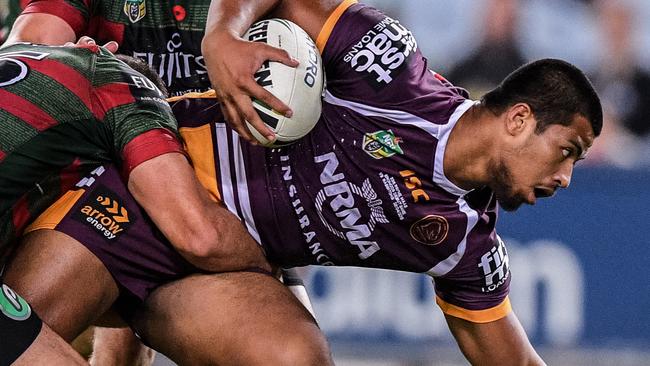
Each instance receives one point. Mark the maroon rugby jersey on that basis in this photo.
(366, 187)
(63, 112)
(165, 34)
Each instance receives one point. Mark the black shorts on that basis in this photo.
(19, 325)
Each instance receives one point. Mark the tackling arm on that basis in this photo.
(203, 232)
(502, 342)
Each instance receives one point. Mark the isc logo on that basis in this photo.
(414, 184)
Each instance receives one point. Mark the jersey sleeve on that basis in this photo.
(74, 12)
(373, 59)
(133, 110)
(477, 289)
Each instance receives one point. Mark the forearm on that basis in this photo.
(215, 240)
(502, 342)
(203, 232)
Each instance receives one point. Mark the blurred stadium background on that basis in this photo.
(580, 262)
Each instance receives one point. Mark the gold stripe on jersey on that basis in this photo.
(54, 214)
(199, 146)
(326, 31)
(194, 95)
(476, 316)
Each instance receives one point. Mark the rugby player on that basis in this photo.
(403, 172)
(95, 110)
(167, 36)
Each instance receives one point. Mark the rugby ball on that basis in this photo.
(300, 88)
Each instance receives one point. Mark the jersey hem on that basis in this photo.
(476, 316)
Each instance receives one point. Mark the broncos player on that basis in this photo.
(403, 172)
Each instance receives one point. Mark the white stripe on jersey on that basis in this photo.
(443, 267)
(227, 185)
(439, 176)
(441, 133)
(397, 116)
(242, 188)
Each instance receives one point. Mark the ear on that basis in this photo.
(519, 118)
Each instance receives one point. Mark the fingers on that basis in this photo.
(269, 99)
(232, 77)
(232, 116)
(257, 91)
(86, 41)
(280, 55)
(245, 107)
(112, 46)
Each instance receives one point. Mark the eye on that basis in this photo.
(566, 152)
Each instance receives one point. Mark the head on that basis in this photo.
(144, 69)
(549, 115)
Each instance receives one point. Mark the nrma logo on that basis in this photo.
(105, 214)
(348, 211)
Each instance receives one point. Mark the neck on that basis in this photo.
(470, 148)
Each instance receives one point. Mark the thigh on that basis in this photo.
(237, 318)
(62, 280)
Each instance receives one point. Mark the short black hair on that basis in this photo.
(555, 90)
(144, 69)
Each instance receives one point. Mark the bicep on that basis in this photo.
(41, 28)
(500, 342)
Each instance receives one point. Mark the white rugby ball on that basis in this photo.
(300, 88)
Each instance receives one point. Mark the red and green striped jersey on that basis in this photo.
(165, 34)
(63, 112)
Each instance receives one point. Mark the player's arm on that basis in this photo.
(204, 233)
(41, 28)
(141, 129)
(231, 73)
(52, 22)
(500, 342)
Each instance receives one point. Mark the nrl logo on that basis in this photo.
(382, 144)
(135, 10)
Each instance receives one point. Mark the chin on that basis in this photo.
(510, 204)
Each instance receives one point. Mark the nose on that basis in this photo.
(563, 176)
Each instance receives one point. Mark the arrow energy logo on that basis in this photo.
(103, 211)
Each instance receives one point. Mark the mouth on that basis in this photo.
(542, 192)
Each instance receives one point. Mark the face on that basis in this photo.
(536, 165)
